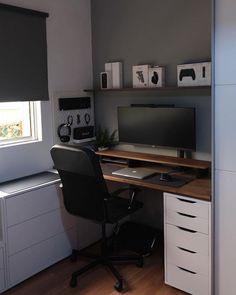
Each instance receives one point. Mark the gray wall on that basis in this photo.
(157, 32)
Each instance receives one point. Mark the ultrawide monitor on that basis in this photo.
(170, 127)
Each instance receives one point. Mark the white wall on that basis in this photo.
(225, 146)
(69, 70)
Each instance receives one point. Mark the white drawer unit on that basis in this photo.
(1, 259)
(187, 205)
(2, 279)
(39, 232)
(2, 271)
(38, 229)
(186, 280)
(2, 249)
(194, 222)
(187, 259)
(187, 244)
(28, 205)
(186, 238)
(36, 258)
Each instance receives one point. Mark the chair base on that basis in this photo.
(104, 260)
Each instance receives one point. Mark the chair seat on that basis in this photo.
(118, 208)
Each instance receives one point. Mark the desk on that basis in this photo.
(199, 188)
(187, 219)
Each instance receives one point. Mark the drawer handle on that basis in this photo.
(187, 201)
(186, 229)
(184, 269)
(186, 215)
(186, 250)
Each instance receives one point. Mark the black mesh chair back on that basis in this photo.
(84, 187)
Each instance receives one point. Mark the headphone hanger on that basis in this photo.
(65, 128)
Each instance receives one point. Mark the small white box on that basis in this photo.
(140, 76)
(156, 77)
(115, 70)
(198, 74)
(105, 80)
(117, 79)
(108, 67)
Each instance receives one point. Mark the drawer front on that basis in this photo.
(187, 205)
(183, 238)
(1, 259)
(38, 229)
(32, 260)
(188, 221)
(2, 280)
(31, 204)
(189, 282)
(184, 258)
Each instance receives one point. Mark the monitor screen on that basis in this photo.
(158, 126)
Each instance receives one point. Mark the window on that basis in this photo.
(19, 122)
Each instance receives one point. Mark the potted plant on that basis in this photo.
(104, 139)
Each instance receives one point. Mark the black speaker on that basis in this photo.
(81, 133)
(74, 103)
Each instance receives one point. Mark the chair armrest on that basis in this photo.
(133, 191)
(125, 189)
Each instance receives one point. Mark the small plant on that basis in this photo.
(104, 139)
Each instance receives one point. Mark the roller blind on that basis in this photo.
(23, 54)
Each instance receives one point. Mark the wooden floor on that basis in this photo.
(148, 280)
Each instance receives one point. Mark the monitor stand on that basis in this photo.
(184, 154)
(180, 153)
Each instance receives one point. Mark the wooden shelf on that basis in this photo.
(196, 90)
(152, 158)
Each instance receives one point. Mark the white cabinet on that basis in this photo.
(2, 248)
(2, 271)
(39, 232)
(225, 42)
(41, 255)
(225, 140)
(187, 244)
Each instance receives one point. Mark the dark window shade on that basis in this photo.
(23, 56)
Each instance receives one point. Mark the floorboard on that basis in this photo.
(148, 280)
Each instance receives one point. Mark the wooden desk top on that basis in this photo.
(199, 188)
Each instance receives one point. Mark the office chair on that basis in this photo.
(86, 195)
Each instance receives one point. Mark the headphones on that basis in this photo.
(64, 130)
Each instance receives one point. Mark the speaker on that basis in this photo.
(81, 133)
(74, 103)
(105, 80)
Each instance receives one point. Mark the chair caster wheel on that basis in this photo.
(140, 263)
(73, 256)
(73, 282)
(119, 286)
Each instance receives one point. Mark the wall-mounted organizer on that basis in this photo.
(75, 119)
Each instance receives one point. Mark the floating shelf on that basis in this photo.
(196, 90)
(167, 160)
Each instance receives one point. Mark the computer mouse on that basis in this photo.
(165, 177)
